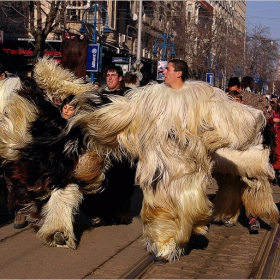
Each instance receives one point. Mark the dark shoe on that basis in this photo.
(59, 238)
(97, 222)
(254, 224)
(160, 261)
(20, 220)
(228, 223)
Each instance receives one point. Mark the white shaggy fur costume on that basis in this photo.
(174, 135)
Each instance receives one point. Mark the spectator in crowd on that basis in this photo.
(96, 85)
(236, 96)
(67, 110)
(233, 84)
(114, 81)
(249, 98)
(112, 206)
(247, 84)
(274, 121)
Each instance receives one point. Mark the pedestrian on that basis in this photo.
(114, 81)
(174, 129)
(112, 206)
(236, 96)
(247, 84)
(96, 85)
(274, 121)
(249, 98)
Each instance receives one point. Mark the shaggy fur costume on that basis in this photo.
(46, 171)
(58, 81)
(112, 206)
(174, 135)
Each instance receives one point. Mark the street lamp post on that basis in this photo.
(164, 45)
(91, 20)
(238, 71)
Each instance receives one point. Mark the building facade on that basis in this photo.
(209, 35)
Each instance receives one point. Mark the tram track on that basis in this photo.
(265, 263)
(267, 258)
(139, 269)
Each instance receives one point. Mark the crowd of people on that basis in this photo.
(163, 169)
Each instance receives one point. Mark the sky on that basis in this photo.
(265, 13)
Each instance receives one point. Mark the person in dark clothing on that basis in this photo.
(112, 206)
(114, 81)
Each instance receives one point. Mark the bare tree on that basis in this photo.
(261, 56)
(36, 18)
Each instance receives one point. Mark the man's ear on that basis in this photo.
(179, 74)
(120, 78)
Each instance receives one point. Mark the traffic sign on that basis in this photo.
(92, 57)
(210, 78)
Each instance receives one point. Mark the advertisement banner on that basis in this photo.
(124, 67)
(161, 67)
(92, 57)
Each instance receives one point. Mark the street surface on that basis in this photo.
(107, 252)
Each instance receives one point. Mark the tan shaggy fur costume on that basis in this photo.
(176, 136)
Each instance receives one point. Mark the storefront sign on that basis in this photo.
(30, 52)
(120, 60)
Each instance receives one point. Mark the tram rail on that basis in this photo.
(264, 266)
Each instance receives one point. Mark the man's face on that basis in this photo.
(170, 76)
(113, 80)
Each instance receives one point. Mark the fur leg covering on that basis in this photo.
(90, 169)
(244, 176)
(228, 200)
(58, 216)
(258, 199)
(170, 215)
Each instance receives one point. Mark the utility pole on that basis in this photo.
(138, 56)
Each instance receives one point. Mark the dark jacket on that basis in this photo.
(121, 91)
